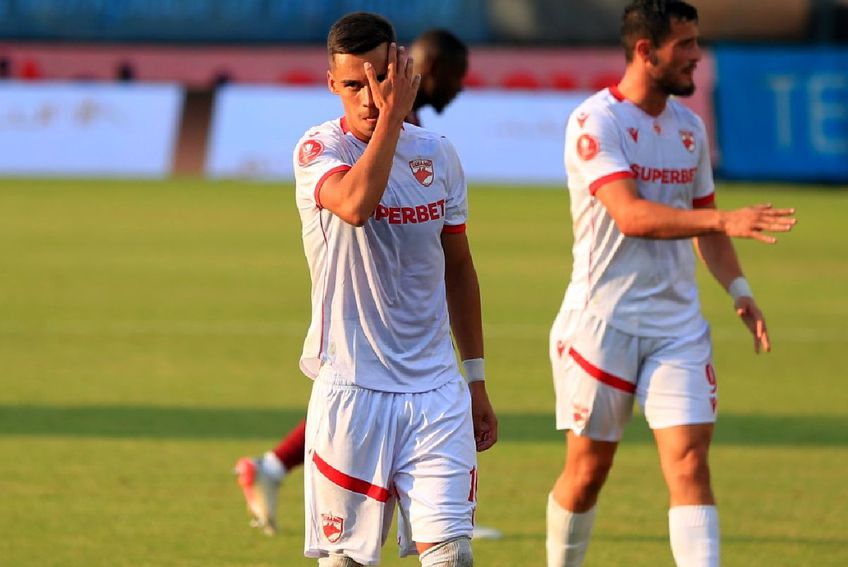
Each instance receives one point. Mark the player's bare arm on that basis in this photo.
(719, 255)
(463, 297)
(642, 218)
(382, 86)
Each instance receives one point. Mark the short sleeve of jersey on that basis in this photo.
(317, 156)
(456, 203)
(704, 193)
(594, 154)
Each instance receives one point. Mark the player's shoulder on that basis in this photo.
(686, 115)
(326, 130)
(597, 108)
(424, 140)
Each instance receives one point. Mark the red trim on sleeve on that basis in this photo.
(337, 169)
(349, 482)
(601, 181)
(616, 93)
(699, 202)
(600, 375)
(454, 228)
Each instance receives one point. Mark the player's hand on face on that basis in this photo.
(753, 318)
(394, 95)
(752, 222)
(483, 417)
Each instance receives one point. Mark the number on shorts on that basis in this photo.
(472, 494)
(711, 378)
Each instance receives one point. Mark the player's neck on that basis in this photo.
(642, 93)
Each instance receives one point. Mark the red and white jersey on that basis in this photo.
(379, 313)
(641, 286)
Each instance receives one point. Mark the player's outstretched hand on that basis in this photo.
(752, 222)
(394, 95)
(483, 417)
(753, 318)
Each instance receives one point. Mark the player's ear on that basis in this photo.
(643, 49)
(331, 83)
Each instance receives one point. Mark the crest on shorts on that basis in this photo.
(422, 169)
(587, 147)
(560, 346)
(333, 526)
(309, 150)
(580, 414)
(688, 139)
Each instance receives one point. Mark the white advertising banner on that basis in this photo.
(502, 137)
(88, 129)
(255, 128)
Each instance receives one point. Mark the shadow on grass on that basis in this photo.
(725, 539)
(260, 423)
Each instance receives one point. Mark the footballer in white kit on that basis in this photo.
(630, 322)
(390, 417)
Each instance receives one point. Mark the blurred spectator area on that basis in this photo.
(492, 22)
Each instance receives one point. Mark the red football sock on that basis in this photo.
(290, 449)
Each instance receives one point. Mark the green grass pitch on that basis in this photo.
(149, 336)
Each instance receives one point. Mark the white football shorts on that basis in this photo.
(597, 371)
(367, 451)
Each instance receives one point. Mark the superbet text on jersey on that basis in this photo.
(609, 138)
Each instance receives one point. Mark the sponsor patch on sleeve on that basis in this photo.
(309, 150)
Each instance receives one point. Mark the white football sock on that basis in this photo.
(272, 466)
(454, 552)
(568, 534)
(693, 531)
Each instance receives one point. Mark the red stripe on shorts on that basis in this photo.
(600, 375)
(348, 482)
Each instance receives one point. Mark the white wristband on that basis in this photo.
(739, 288)
(474, 370)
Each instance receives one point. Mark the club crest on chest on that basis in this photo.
(422, 170)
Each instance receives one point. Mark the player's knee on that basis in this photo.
(691, 470)
(455, 552)
(335, 560)
(588, 475)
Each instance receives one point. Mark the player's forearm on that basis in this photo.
(646, 219)
(463, 297)
(719, 255)
(358, 194)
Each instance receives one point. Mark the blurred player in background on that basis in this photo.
(391, 422)
(630, 325)
(441, 59)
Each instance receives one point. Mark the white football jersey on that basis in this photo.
(641, 286)
(379, 313)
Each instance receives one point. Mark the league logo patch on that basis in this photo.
(581, 118)
(309, 150)
(634, 133)
(587, 147)
(333, 526)
(422, 169)
(688, 139)
(560, 346)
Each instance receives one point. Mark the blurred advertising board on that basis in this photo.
(88, 129)
(504, 137)
(782, 113)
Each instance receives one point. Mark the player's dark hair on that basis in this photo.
(444, 46)
(358, 33)
(651, 19)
